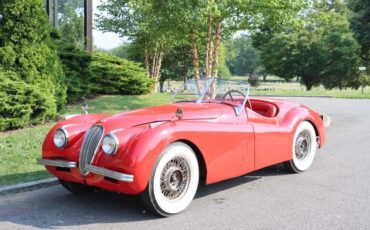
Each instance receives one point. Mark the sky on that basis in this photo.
(102, 40)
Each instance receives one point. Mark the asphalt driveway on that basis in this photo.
(333, 194)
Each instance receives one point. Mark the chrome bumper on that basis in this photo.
(90, 168)
(110, 173)
(57, 163)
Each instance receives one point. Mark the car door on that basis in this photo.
(271, 141)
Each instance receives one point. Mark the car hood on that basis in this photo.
(191, 111)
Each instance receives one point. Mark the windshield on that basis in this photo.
(213, 90)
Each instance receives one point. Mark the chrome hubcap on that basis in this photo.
(175, 178)
(303, 145)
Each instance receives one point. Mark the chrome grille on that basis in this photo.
(90, 146)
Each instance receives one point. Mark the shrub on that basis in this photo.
(115, 75)
(21, 104)
(76, 65)
(28, 55)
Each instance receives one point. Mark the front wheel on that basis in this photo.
(174, 181)
(303, 149)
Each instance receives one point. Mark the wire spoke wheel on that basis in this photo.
(303, 145)
(174, 180)
(303, 148)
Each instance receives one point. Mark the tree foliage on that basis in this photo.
(242, 58)
(71, 22)
(360, 24)
(159, 27)
(322, 50)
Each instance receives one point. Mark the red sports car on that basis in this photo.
(212, 132)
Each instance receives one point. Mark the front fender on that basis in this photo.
(145, 152)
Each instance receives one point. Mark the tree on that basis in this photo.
(340, 55)
(209, 22)
(199, 24)
(359, 18)
(122, 51)
(243, 59)
(143, 25)
(71, 22)
(177, 65)
(322, 50)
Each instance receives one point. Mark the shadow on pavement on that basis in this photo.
(55, 207)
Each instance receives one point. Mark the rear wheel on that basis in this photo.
(76, 188)
(303, 149)
(174, 181)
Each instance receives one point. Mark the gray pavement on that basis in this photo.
(333, 194)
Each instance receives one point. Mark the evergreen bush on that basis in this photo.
(21, 104)
(76, 66)
(115, 75)
(32, 84)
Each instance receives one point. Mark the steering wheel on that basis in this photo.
(230, 94)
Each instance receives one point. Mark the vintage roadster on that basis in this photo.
(212, 132)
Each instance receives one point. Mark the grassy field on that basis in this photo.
(20, 148)
(277, 87)
(295, 89)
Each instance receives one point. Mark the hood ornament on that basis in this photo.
(85, 106)
(179, 113)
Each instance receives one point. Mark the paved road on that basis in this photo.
(334, 194)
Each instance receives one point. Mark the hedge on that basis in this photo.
(115, 75)
(76, 66)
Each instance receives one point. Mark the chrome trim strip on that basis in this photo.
(110, 173)
(57, 163)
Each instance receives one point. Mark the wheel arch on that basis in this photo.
(316, 130)
(300, 114)
(201, 161)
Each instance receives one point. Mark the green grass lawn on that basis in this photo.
(20, 148)
(294, 89)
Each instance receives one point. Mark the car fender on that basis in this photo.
(298, 114)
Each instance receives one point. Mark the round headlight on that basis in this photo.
(60, 138)
(110, 144)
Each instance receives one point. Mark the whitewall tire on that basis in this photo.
(303, 149)
(174, 180)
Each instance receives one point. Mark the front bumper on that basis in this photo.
(91, 168)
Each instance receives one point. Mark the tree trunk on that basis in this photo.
(158, 67)
(215, 56)
(146, 62)
(264, 76)
(154, 63)
(209, 47)
(216, 48)
(194, 51)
